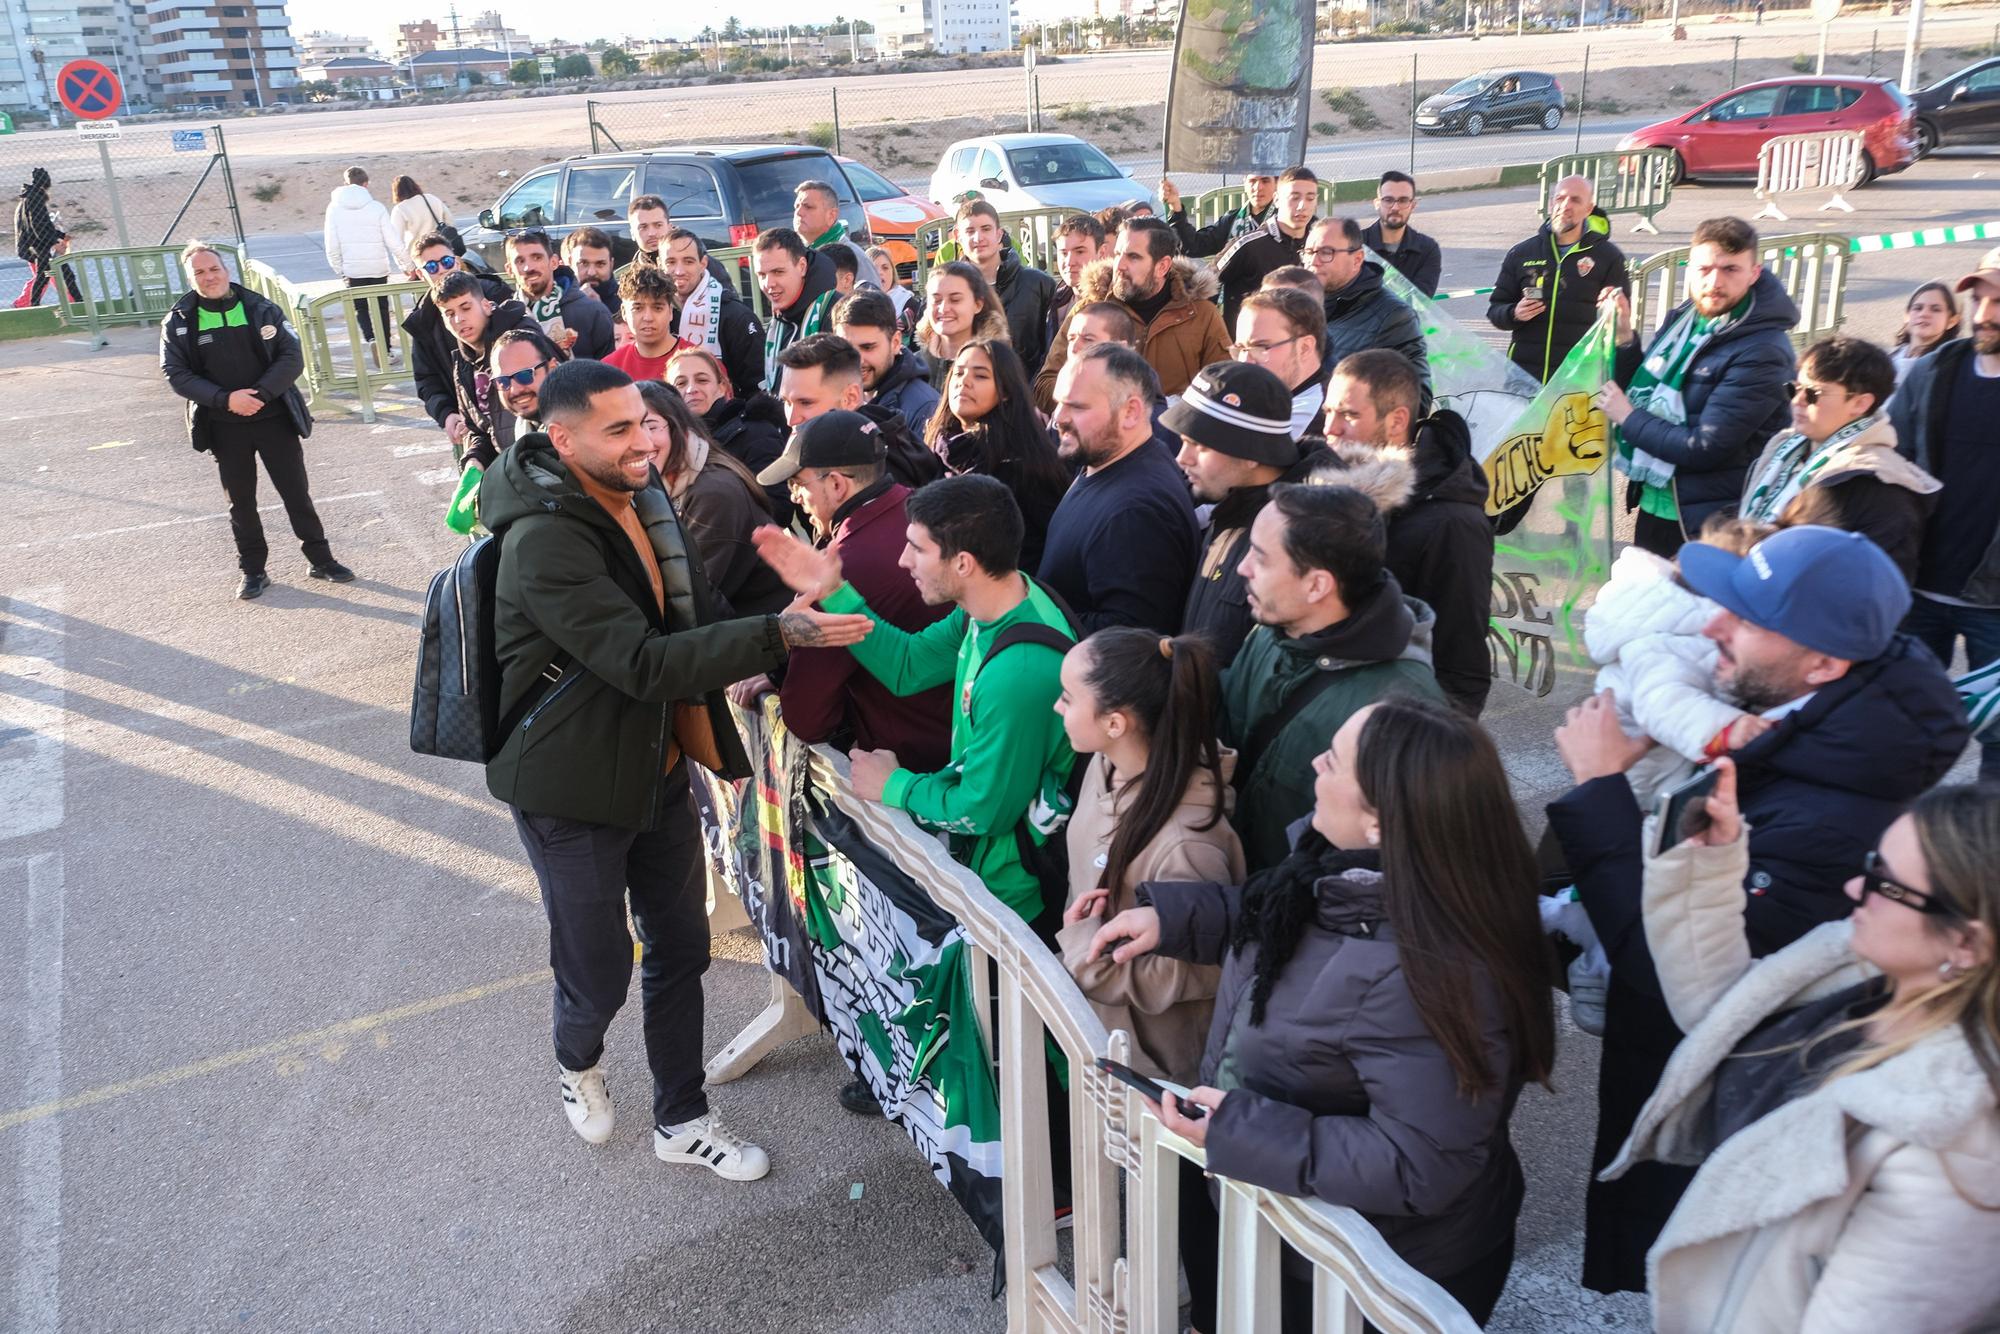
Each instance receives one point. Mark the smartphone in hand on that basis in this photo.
(1684, 810)
(1153, 1088)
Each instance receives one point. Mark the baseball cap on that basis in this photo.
(1987, 272)
(1237, 409)
(1830, 591)
(837, 439)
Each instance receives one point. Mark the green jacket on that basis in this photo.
(1009, 754)
(1382, 648)
(593, 747)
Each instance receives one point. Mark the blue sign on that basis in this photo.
(190, 141)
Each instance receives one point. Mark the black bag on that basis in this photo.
(444, 229)
(908, 460)
(455, 705)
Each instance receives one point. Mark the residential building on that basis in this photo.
(366, 77)
(416, 39)
(947, 26)
(222, 55)
(488, 31)
(444, 68)
(316, 48)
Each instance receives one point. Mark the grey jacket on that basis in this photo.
(1918, 411)
(1365, 314)
(1342, 1094)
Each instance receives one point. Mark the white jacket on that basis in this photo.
(412, 221)
(1868, 1204)
(1644, 631)
(360, 242)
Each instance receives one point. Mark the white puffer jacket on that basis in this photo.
(1644, 631)
(361, 242)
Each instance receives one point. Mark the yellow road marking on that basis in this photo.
(328, 1038)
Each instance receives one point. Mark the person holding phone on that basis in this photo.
(1839, 1094)
(1383, 998)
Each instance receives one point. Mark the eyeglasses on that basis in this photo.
(1794, 388)
(443, 265)
(522, 378)
(1329, 251)
(1876, 881)
(1395, 201)
(1241, 350)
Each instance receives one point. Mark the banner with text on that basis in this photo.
(1239, 94)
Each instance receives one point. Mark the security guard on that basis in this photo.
(232, 356)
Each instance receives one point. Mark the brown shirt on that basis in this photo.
(618, 504)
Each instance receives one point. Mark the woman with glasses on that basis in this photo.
(986, 423)
(1840, 1093)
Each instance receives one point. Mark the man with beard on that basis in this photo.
(1944, 415)
(1243, 264)
(1233, 453)
(1284, 331)
(519, 362)
(433, 350)
(588, 252)
(891, 378)
(1260, 193)
(1549, 286)
(798, 282)
(1415, 255)
(578, 324)
(1171, 299)
(707, 312)
(1026, 292)
(1121, 545)
(1863, 720)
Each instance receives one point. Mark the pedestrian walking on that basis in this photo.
(415, 214)
(363, 249)
(39, 239)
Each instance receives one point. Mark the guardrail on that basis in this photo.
(323, 315)
(1034, 233)
(1811, 265)
(1020, 993)
(1638, 182)
(124, 285)
(1793, 163)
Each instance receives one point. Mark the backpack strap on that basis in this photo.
(550, 677)
(1276, 721)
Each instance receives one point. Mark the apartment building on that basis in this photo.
(947, 26)
(222, 55)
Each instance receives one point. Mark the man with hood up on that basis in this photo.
(1423, 477)
(1547, 291)
(363, 249)
(37, 239)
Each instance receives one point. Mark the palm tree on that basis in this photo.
(732, 29)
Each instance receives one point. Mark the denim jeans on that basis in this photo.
(1940, 625)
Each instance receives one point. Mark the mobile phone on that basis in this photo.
(1532, 292)
(1684, 810)
(1153, 1088)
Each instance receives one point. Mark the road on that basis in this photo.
(272, 1011)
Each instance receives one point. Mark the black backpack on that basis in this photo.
(455, 706)
(909, 461)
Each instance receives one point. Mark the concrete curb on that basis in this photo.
(1456, 181)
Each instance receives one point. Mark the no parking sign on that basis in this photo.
(88, 90)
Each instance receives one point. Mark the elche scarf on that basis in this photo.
(1783, 479)
(545, 308)
(832, 236)
(701, 318)
(1656, 390)
(1247, 222)
(813, 321)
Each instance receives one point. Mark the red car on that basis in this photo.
(1721, 138)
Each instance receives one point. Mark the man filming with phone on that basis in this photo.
(1863, 719)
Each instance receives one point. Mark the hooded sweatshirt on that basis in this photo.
(907, 391)
(35, 229)
(1027, 293)
(812, 313)
(1218, 603)
(361, 241)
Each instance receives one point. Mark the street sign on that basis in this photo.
(88, 90)
(96, 131)
(547, 64)
(190, 141)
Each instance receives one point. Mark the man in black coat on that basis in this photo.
(1859, 720)
(38, 239)
(1027, 293)
(1414, 255)
(1244, 262)
(432, 347)
(232, 356)
(476, 324)
(1433, 494)
(1259, 206)
(1361, 312)
(1708, 393)
(709, 314)
(1547, 291)
(579, 323)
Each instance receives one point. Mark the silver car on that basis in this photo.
(1019, 172)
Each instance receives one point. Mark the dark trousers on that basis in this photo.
(1662, 537)
(361, 310)
(1940, 626)
(586, 871)
(1476, 1287)
(43, 277)
(237, 449)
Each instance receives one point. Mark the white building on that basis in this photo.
(951, 27)
(316, 48)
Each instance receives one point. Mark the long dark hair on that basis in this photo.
(682, 424)
(1950, 304)
(1013, 430)
(1170, 689)
(1459, 888)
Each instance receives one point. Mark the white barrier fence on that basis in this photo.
(1122, 1272)
(1794, 163)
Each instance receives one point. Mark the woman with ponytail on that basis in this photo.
(1154, 806)
(1839, 1094)
(1383, 999)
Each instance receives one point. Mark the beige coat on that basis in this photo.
(1163, 1003)
(1870, 1204)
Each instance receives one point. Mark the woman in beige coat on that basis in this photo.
(1154, 806)
(1839, 1094)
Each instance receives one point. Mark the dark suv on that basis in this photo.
(724, 194)
(1489, 101)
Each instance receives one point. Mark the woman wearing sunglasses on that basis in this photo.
(1838, 1094)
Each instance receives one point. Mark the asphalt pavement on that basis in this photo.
(273, 1000)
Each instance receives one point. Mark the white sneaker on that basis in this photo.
(705, 1140)
(587, 1103)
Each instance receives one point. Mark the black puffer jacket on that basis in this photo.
(1364, 314)
(433, 349)
(1342, 1094)
(184, 361)
(1440, 541)
(1918, 410)
(1218, 604)
(489, 427)
(1571, 282)
(1027, 294)
(1734, 391)
(35, 230)
(754, 430)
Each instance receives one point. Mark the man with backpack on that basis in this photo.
(1003, 794)
(610, 679)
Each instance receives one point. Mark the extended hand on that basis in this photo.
(1137, 928)
(245, 403)
(869, 772)
(1725, 817)
(1621, 303)
(807, 571)
(822, 629)
(1170, 194)
(1592, 743)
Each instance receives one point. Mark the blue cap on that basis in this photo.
(1833, 592)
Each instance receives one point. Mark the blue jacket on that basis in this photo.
(907, 391)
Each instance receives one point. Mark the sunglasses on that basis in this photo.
(443, 265)
(1874, 880)
(522, 378)
(1794, 388)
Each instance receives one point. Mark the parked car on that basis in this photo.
(724, 194)
(1721, 138)
(1492, 100)
(1019, 172)
(894, 214)
(1963, 108)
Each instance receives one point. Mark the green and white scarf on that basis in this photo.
(547, 307)
(1784, 478)
(701, 319)
(779, 334)
(1656, 391)
(832, 236)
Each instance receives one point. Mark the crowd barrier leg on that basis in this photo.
(783, 1018)
(1249, 1296)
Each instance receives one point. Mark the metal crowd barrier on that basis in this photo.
(1210, 205)
(323, 315)
(1826, 160)
(125, 285)
(1811, 265)
(1034, 234)
(1021, 992)
(1638, 182)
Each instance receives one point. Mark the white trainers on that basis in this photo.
(708, 1142)
(587, 1103)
